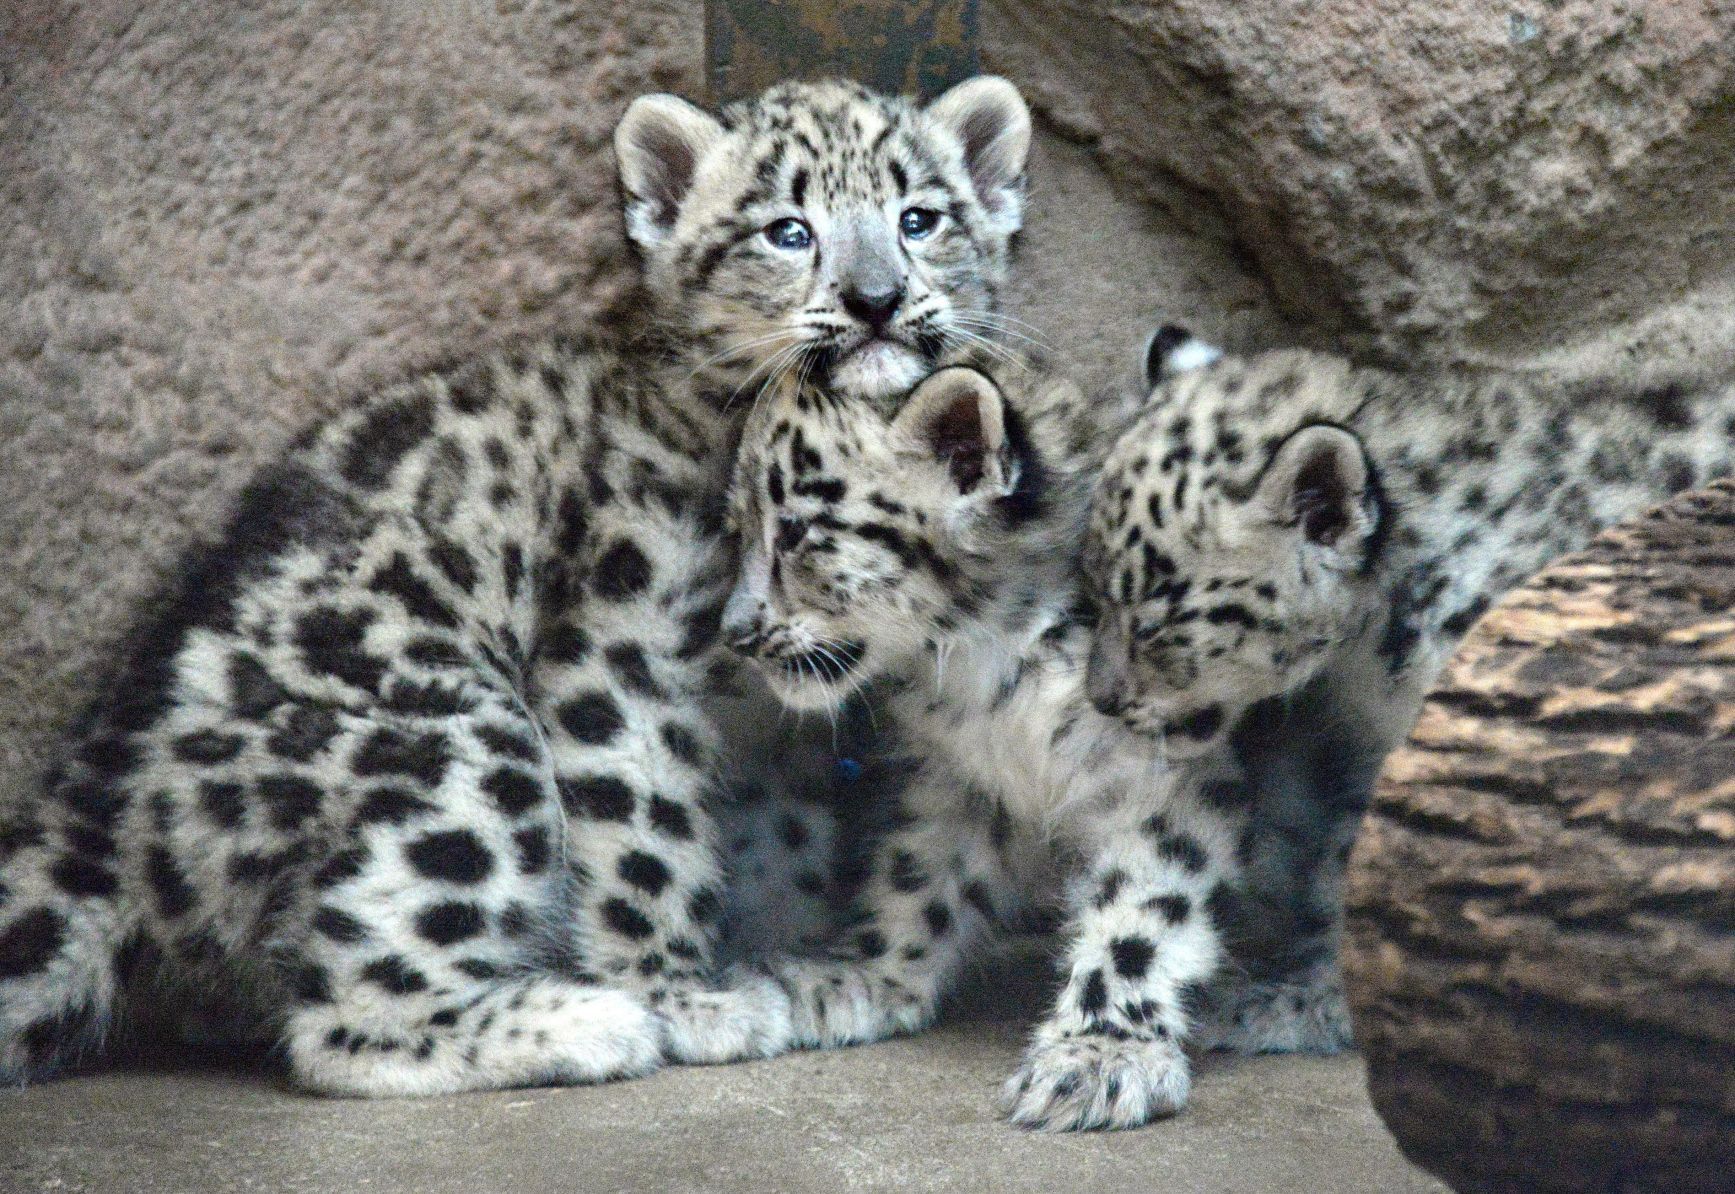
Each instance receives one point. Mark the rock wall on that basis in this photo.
(221, 218)
(1549, 179)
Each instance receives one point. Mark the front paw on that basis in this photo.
(1096, 1081)
(834, 1003)
(748, 1018)
(1307, 1015)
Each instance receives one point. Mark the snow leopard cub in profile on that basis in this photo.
(929, 558)
(1287, 548)
(412, 773)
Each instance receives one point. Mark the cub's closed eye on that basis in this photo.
(918, 223)
(790, 531)
(790, 234)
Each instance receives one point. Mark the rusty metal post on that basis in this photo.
(919, 46)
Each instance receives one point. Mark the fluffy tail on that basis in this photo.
(59, 928)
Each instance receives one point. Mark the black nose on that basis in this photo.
(874, 307)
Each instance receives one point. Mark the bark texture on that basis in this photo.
(920, 47)
(1542, 905)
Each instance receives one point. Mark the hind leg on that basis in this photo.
(60, 929)
(781, 855)
(372, 1040)
(936, 886)
(433, 951)
(415, 976)
(649, 905)
(637, 759)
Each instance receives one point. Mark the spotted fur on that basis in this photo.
(1286, 548)
(412, 771)
(858, 302)
(928, 558)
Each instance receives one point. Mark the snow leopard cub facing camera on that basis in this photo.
(1287, 548)
(412, 772)
(929, 557)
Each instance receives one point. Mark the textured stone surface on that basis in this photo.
(1444, 175)
(217, 219)
(910, 1115)
(1541, 956)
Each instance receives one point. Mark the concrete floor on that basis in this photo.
(912, 1114)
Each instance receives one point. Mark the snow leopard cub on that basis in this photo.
(1288, 547)
(411, 773)
(928, 556)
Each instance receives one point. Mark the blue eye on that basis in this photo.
(918, 223)
(789, 234)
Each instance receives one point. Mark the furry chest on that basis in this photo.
(1039, 748)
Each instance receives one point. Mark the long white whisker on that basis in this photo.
(788, 362)
(1004, 331)
(771, 364)
(737, 350)
(1001, 353)
(808, 666)
(998, 317)
(974, 320)
(774, 362)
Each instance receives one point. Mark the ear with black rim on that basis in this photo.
(1173, 349)
(658, 146)
(1318, 482)
(990, 120)
(958, 416)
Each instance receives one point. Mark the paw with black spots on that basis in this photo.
(834, 1003)
(1096, 1081)
(747, 1018)
(1304, 1015)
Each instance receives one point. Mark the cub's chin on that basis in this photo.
(879, 369)
(818, 680)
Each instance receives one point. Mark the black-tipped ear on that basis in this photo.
(1171, 350)
(658, 145)
(992, 123)
(957, 415)
(1318, 481)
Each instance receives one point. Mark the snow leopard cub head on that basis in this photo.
(868, 539)
(1229, 540)
(825, 229)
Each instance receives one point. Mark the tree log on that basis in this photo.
(916, 46)
(1541, 955)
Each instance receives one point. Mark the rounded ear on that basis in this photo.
(1317, 481)
(658, 145)
(958, 416)
(1171, 350)
(991, 122)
